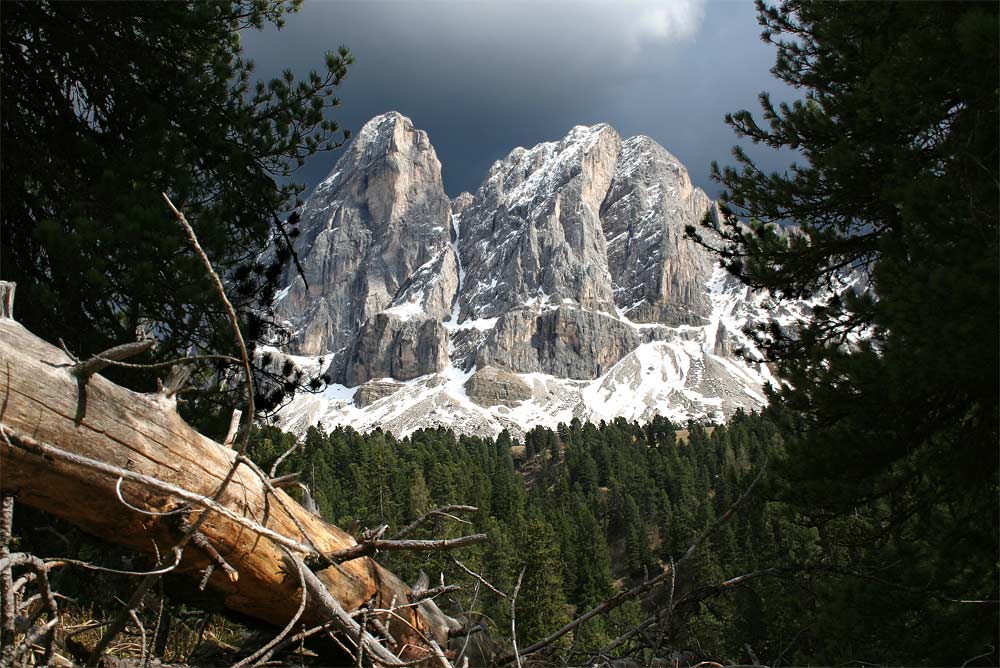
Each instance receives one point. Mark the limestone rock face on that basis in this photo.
(372, 391)
(533, 229)
(461, 203)
(380, 215)
(431, 289)
(658, 274)
(567, 342)
(723, 342)
(490, 386)
(563, 287)
(390, 347)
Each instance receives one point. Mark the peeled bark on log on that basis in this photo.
(41, 397)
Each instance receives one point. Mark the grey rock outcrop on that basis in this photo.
(723, 343)
(659, 275)
(533, 229)
(388, 346)
(567, 342)
(372, 391)
(564, 287)
(431, 289)
(380, 216)
(491, 386)
(461, 203)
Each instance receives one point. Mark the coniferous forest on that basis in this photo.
(589, 510)
(150, 207)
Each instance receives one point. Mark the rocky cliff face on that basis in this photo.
(564, 287)
(532, 232)
(568, 341)
(659, 276)
(381, 215)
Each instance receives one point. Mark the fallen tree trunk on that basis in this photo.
(80, 448)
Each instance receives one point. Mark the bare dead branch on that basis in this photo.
(142, 633)
(513, 617)
(343, 622)
(301, 635)
(466, 630)
(190, 359)
(424, 594)
(443, 511)
(479, 577)
(729, 584)
(201, 541)
(393, 612)
(121, 619)
(7, 289)
(46, 631)
(86, 369)
(979, 656)
(623, 638)
(56, 562)
(439, 655)
(23, 581)
(230, 311)
(284, 455)
(314, 551)
(155, 513)
(664, 618)
(176, 379)
(7, 610)
(362, 629)
(36, 634)
(289, 480)
(234, 426)
(162, 627)
(368, 548)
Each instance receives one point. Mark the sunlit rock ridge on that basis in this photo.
(564, 287)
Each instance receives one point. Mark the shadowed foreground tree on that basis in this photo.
(107, 105)
(891, 411)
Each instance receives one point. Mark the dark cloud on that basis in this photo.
(484, 77)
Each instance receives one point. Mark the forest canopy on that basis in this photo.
(870, 535)
(889, 406)
(157, 98)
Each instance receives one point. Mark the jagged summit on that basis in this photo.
(563, 287)
(380, 215)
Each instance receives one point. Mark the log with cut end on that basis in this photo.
(65, 438)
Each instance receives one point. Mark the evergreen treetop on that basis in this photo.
(109, 104)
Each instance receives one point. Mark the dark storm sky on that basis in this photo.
(482, 77)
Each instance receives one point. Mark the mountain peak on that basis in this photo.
(390, 136)
(564, 287)
(585, 131)
(383, 124)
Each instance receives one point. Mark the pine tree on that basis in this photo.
(891, 411)
(419, 500)
(636, 541)
(542, 606)
(157, 97)
(592, 563)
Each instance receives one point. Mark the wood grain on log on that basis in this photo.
(143, 433)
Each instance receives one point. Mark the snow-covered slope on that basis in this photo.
(681, 374)
(564, 288)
